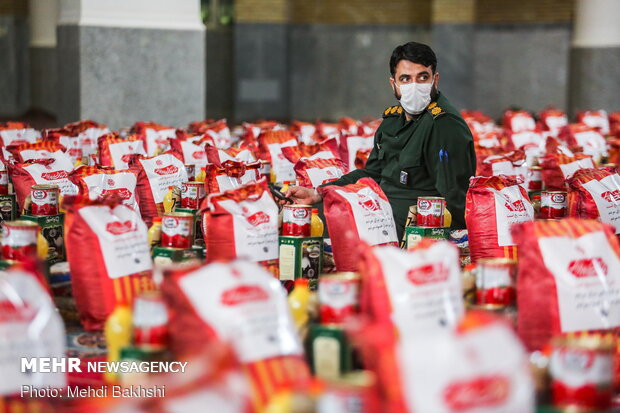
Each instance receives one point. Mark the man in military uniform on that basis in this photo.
(423, 147)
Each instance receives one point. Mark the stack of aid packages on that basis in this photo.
(155, 244)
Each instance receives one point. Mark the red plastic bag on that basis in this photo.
(595, 194)
(510, 164)
(270, 146)
(230, 175)
(492, 206)
(17, 133)
(154, 136)
(109, 256)
(41, 172)
(192, 151)
(219, 156)
(567, 271)
(96, 183)
(518, 121)
(354, 213)
(116, 152)
(552, 120)
(242, 305)
(314, 172)
(589, 139)
(87, 132)
(306, 133)
(155, 176)
(596, 119)
(242, 223)
(558, 165)
(350, 145)
(40, 150)
(327, 149)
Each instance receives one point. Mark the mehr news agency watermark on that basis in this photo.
(74, 365)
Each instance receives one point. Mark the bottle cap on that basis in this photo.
(157, 219)
(315, 210)
(301, 282)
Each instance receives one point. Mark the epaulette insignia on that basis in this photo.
(393, 111)
(435, 110)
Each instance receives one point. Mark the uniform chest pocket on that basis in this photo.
(412, 170)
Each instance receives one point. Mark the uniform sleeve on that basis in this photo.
(371, 170)
(451, 161)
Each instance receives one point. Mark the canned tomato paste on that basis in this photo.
(44, 199)
(177, 230)
(552, 205)
(19, 239)
(534, 178)
(338, 296)
(495, 282)
(430, 211)
(150, 318)
(296, 220)
(581, 370)
(191, 172)
(191, 194)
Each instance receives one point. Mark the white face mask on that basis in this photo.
(415, 97)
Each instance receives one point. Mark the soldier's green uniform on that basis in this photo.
(430, 155)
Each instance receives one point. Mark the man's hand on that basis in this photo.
(304, 196)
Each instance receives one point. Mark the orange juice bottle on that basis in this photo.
(298, 302)
(117, 332)
(316, 224)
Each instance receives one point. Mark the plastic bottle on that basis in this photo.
(154, 233)
(202, 175)
(171, 199)
(42, 246)
(447, 218)
(285, 187)
(298, 302)
(316, 224)
(117, 331)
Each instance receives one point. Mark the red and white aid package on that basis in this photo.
(17, 133)
(596, 119)
(220, 132)
(42, 172)
(354, 213)
(558, 166)
(588, 138)
(419, 291)
(155, 176)
(40, 150)
(87, 133)
(350, 145)
(492, 206)
(240, 304)
(219, 156)
(510, 164)
(116, 152)
(328, 149)
(242, 223)
(568, 279)
(154, 136)
(306, 132)
(31, 328)
(270, 145)
(314, 172)
(230, 175)
(96, 183)
(552, 120)
(109, 256)
(524, 139)
(65, 138)
(519, 121)
(192, 151)
(595, 194)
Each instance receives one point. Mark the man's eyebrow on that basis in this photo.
(424, 72)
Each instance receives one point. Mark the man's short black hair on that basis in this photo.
(414, 52)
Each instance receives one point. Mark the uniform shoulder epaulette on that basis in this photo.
(393, 111)
(435, 110)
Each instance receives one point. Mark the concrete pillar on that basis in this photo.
(453, 32)
(595, 56)
(121, 61)
(43, 78)
(14, 66)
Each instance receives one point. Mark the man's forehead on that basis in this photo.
(410, 68)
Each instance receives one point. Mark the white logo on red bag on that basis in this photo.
(479, 392)
(53, 176)
(369, 203)
(244, 294)
(515, 206)
(587, 267)
(123, 193)
(611, 196)
(429, 273)
(258, 218)
(199, 154)
(168, 170)
(9, 312)
(119, 228)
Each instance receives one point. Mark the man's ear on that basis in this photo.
(393, 84)
(436, 79)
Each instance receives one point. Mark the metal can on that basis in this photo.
(354, 392)
(553, 204)
(44, 199)
(331, 354)
(191, 194)
(495, 282)
(430, 211)
(150, 318)
(581, 369)
(338, 296)
(4, 182)
(265, 168)
(19, 240)
(534, 178)
(177, 230)
(296, 220)
(191, 172)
